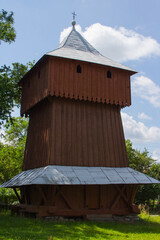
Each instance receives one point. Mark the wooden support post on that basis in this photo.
(42, 194)
(121, 192)
(133, 193)
(17, 195)
(64, 197)
(66, 200)
(84, 192)
(119, 195)
(53, 199)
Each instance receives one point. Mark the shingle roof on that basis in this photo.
(76, 47)
(73, 175)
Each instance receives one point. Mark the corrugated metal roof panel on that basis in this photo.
(73, 175)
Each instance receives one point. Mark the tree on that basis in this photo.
(9, 76)
(7, 31)
(11, 155)
(10, 92)
(142, 162)
(139, 161)
(12, 151)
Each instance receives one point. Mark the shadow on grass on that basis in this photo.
(16, 228)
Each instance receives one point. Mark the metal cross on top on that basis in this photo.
(74, 14)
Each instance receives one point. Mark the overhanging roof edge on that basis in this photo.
(76, 175)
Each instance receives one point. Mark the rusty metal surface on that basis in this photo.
(73, 175)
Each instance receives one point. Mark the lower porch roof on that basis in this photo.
(74, 175)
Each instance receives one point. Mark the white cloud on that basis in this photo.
(119, 44)
(156, 155)
(146, 89)
(138, 132)
(144, 116)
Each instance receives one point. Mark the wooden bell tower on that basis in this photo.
(75, 161)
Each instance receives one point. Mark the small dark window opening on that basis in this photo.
(109, 74)
(39, 74)
(79, 70)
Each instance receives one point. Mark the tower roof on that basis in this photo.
(74, 46)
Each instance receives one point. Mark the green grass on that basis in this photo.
(17, 228)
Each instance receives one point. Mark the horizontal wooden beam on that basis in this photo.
(53, 211)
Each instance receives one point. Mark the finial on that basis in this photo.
(74, 22)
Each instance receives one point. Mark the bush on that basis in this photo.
(7, 196)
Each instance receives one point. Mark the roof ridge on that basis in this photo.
(76, 41)
(61, 45)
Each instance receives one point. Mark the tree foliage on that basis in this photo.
(11, 155)
(7, 31)
(142, 162)
(12, 150)
(10, 92)
(9, 76)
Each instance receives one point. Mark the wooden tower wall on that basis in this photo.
(35, 86)
(58, 77)
(73, 132)
(87, 199)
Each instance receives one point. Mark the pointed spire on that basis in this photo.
(74, 22)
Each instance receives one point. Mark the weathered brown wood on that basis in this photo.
(79, 200)
(43, 211)
(42, 194)
(53, 194)
(133, 193)
(121, 193)
(75, 121)
(65, 198)
(58, 77)
(118, 196)
(17, 195)
(69, 132)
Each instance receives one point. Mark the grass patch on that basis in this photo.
(17, 228)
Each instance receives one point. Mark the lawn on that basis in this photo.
(17, 228)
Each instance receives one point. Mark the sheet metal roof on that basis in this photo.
(76, 47)
(73, 175)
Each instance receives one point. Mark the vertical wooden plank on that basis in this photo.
(85, 136)
(58, 127)
(89, 133)
(93, 83)
(79, 132)
(110, 136)
(105, 137)
(100, 136)
(119, 153)
(92, 196)
(123, 145)
(80, 82)
(52, 134)
(69, 133)
(86, 89)
(89, 83)
(94, 137)
(74, 132)
(116, 87)
(99, 81)
(56, 77)
(133, 193)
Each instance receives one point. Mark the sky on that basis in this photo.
(126, 31)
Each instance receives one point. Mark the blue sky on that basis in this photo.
(126, 31)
